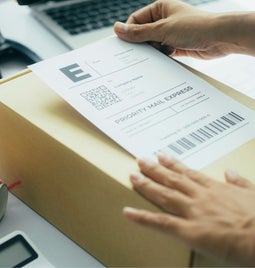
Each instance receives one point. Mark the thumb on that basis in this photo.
(136, 32)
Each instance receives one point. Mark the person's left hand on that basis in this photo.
(212, 217)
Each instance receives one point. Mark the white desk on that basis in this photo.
(58, 249)
(17, 23)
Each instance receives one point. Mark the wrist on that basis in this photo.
(249, 247)
(245, 247)
(233, 31)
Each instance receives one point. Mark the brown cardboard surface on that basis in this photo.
(77, 178)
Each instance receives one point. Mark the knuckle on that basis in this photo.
(151, 168)
(191, 173)
(177, 181)
(143, 217)
(135, 31)
(144, 183)
(138, 32)
(165, 199)
(163, 220)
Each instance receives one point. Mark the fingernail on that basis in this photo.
(232, 174)
(121, 27)
(145, 163)
(136, 177)
(130, 212)
(163, 157)
(172, 53)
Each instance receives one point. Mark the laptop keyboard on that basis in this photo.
(91, 15)
(198, 2)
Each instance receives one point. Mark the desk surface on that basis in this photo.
(58, 249)
(17, 23)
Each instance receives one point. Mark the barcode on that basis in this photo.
(204, 133)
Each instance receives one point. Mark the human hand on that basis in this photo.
(179, 29)
(212, 217)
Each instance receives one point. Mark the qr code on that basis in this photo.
(101, 97)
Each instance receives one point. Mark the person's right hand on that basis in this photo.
(212, 217)
(179, 29)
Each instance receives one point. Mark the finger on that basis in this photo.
(200, 178)
(171, 163)
(169, 200)
(176, 165)
(160, 221)
(167, 177)
(138, 32)
(233, 177)
(143, 15)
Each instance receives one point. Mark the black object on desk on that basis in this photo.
(13, 51)
(26, 2)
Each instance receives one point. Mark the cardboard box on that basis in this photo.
(78, 178)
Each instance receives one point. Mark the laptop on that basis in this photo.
(79, 22)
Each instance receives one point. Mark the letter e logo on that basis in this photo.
(74, 73)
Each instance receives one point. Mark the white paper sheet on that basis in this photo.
(147, 102)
